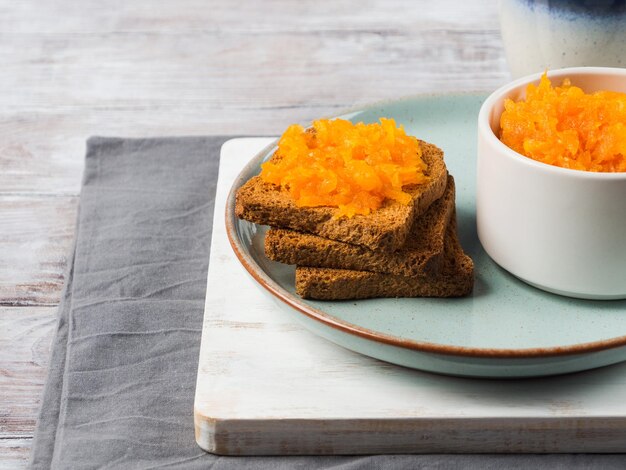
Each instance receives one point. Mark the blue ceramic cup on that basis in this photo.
(552, 34)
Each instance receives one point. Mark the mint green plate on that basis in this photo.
(506, 328)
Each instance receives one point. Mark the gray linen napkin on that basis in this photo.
(123, 367)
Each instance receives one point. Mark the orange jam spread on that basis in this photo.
(566, 127)
(354, 167)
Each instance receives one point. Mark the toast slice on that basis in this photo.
(384, 229)
(456, 279)
(421, 254)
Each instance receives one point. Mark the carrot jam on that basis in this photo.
(353, 167)
(566, 127)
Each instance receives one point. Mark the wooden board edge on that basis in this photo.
(277, 436)
(205, 431)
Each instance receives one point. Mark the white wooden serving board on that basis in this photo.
(268, 386)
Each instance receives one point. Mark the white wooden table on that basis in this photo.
(71, 69)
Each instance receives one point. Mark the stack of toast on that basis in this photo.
(396, 251)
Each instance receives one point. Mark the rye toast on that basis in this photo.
(384, 229)
(455, 279)
(421, 254)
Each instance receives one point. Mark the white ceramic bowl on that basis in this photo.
(561, 230)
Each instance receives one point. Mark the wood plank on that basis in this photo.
(249, 16)
(14, 453)
(267, 386)
(35, 239)
(197, 70)
(333, 68)
(25, 339)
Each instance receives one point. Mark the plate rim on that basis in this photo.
(299, 305)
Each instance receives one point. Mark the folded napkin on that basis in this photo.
(122, 373)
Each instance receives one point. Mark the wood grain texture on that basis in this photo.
(250, 67)
(242, 16)
(14, 453)
(35, 238)
(72, 69)
(25, 339)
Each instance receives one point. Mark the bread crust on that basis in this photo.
(455, 279)
(421, 254)
(386, 228)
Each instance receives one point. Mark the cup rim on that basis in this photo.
(498, 95)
